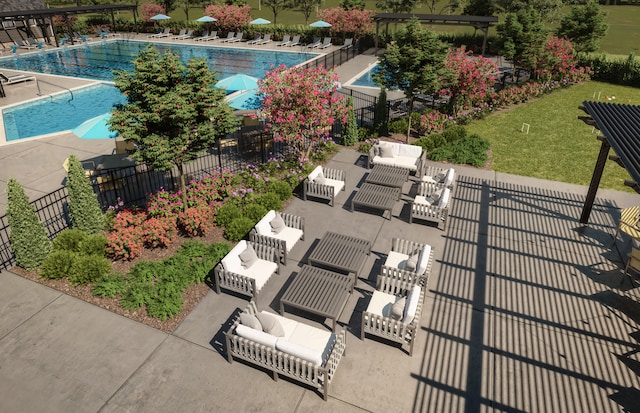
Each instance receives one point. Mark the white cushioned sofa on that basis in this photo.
(281, 234)
(324, 183)
(432, 203)
(287, 347)
(394, 312)
(245, 272)
(408, 261)
(411, 157)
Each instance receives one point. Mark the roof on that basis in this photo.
(24, 14)
(620, 125)
(18, 5)
(483, 21)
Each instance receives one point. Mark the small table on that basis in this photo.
(317, 291)
(341, 252)
(388, 175)
(377, 197)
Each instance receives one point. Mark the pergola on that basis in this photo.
(40, 16)
(620, 127)
(482, 23)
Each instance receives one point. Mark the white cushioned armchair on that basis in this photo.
(394, 312)
(307, 354)
(410, 157)
(445, 177)
(245, 272)
(408, 261)
(324, 183)
(282, 237)
(432, 203)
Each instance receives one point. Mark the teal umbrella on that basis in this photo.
(260, 21)
(95, 128)
(160, 17)
(320, 23)
(238, 82)
(206, 19)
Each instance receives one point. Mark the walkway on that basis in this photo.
(525, 312)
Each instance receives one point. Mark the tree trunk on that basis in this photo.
(409, 118)
(183, 184)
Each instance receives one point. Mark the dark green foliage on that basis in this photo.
(269, 200)
(227, 213)
(350, 130)
(282, 188)
(136, 296)
(479, 8)
(88, 268)
(238, 228)
(471, 150)
(522, 37)
(28, 237)
(352, 4)
(453, 133)
(69, 240)
(110, 285)
(381, 114)
(84, 209)
(625, 71)
(59, 264)
(398, 126)
(146, 271)
(255, 212)
(584, 26)
(94, 245)
(165, 302)
(193, 249)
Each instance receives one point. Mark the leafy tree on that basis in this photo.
(277, 6)
(350, 132)
(149, 9)
(521, 37)
(480, 8)
(169, 5)
(306, 7)
(172, 113)
(584, 26)
(414, 62)
(84, 209)
(450, 6)
(381, 121)
(548, 10)
(358, 22)
(229, 17)
(556, 61)
(301, 105)
(28, 237)
(352, 4)
(473, 77)
(396, 6)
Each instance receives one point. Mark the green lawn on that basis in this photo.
(558, 146)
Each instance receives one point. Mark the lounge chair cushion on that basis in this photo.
(423, 261)
(270, 324)
(444, 198)
(248, 257)
(397, 309)
(299, 351)
(412, 304)
(277, 224)
(251, 321)
(381, 303)
(422, 200)
(449, 177)
(386, 152)
(258, 336)
(412, 262)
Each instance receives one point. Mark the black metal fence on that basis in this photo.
(335, 58)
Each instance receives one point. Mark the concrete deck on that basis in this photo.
(525, 312)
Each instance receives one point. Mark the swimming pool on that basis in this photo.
(97, 61)
(366, 79)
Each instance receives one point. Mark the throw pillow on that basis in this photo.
(412, 263)
(277, 223)
(397, 309)
(386, 152)
(270, 324)
(376, 150)
(248, 257)
(435, 196)
(440, 176)
(250, 320)
(320, 179)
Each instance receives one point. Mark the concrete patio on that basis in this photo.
(525, 312)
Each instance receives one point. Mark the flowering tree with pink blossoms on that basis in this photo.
(471, 80)
(229, 17)
(150, 9)
(556, 60)
(300, 105)
(358, 22)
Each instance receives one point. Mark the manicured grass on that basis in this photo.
(558, 147)
(624, 30)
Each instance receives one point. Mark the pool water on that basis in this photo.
(59, 112)
(366, 79)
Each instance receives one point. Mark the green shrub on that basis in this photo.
(269, 200)
(69, 240)
(165, 302)
(218, 250)
(227, 213)
(454, 132)
(88, 268)
(84, 208)
(59, 264)
(110, 285)
(255, 212)
(146, 271)
(471, 150)
(282, 189)
(193, 249)
(381, 114)
(398, 126)
(618, 70)
(350, 130)
(94, 245)
(137, 295)
(238, 228)
(28, 237)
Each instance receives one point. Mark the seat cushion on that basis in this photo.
(263, 227)
(381, 303)
(336, 184)
(396, 260)
(257, 336)
(299, 351)
(412, 304)
(231, 262)
(422, 200)
(449, 177)
(443, 202)
(423, 261)
(289, 235)
(261, 271)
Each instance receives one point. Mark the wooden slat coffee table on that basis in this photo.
(317, 291)
(341, 252)
(388, 175)
(376, 197)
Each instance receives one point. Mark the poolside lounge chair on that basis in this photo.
(295, 41)
(238, 38)
(23, 45)
(9, 80)
(285, 40)
(230, 36)
(325, 43)
(394, 312)
(165, 33)
(104, 33)
(266, 39)
(33, 42)
(348, 43)
(315, 43)
(256, 39)
(185, 36)
(408, 261)
(432, 203)
(212, 36)
(179, 35)
(204, 35)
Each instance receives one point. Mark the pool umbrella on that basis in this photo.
(95, 128)
(320, 23)
(246, 100)
(260, 21)
(206, 19)
(238, 82)
(160, 17)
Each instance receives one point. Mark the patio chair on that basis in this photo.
(408, 261)
(246, 268)
(294, 42)
(212, 36)
(185, 36)
(432, 203)
(11, 79)
(281, 234)
(633, 262)
(165, 33)
(203, 36)
(285, 40)
(230, 36)
(324, 183)
(179, 35)
(628, 222)
(23, 45)
(315, 43)
(325, 43)
(255, 40)
(446, 177)
(236, 39)
(266, 39)
(348, 43)
(394, 312)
